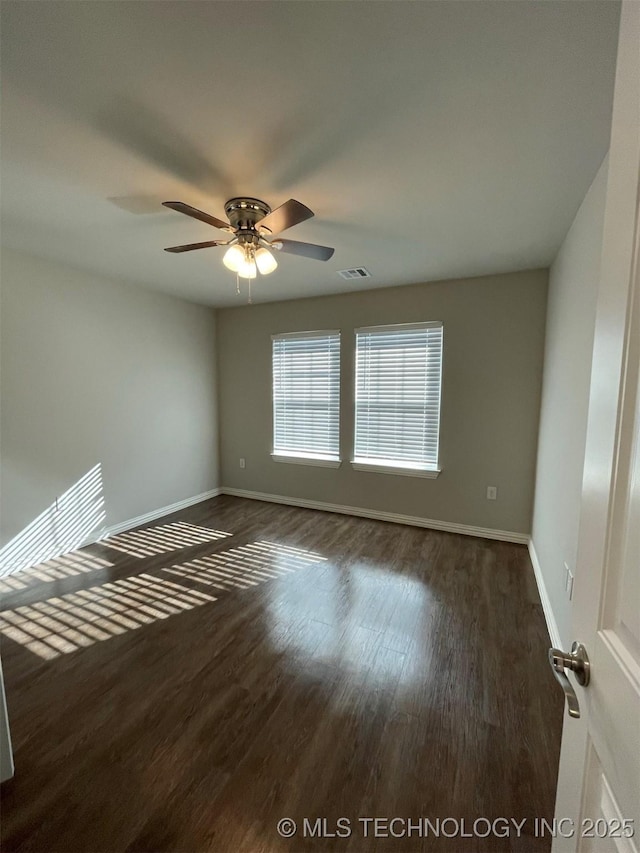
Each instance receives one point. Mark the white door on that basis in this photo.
(599, 779)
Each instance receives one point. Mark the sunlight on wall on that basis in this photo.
(159, 540)
(68, 565)
(65, 624)
(62, 527)
(246, 565)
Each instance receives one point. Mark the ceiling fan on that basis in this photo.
(253, 225)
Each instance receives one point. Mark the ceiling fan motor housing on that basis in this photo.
(245, 213)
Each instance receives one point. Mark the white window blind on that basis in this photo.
(306, 395)
(398, 375)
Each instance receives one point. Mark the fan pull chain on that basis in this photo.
(249, 300)
(238, 283)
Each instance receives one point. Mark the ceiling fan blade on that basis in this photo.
(181, 207)
(287, 215)
(307, 250)
(189, 247)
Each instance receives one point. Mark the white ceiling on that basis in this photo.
(432, 139)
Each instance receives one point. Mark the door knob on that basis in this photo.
(578, 662)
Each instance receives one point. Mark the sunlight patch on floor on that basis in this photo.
(162, 539)
(369, 622)
(246, 565)
(66, 566)
(69, 622)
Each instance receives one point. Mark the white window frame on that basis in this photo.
(396, 466)
(303, 458)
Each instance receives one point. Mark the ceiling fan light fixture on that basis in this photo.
(249, 220)
(265, 261)
(233, 258)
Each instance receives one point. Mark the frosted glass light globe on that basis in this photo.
(247, 268)
(265, 261)
(233, 258)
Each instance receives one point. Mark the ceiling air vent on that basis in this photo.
(356, 272)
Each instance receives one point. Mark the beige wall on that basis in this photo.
(573, 285)
(493, 346)
(95, 371)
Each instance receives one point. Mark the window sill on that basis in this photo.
(428, 473)
(307, 460)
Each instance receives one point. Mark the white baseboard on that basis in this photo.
(552, 625)
(379, 515)
(415, 521)
(156, 513)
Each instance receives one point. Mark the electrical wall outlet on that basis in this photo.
(492, 493)
(242, 462)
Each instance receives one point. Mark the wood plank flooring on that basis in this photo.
(185, 686)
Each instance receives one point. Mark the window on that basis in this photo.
(306, 398)
(398, 371)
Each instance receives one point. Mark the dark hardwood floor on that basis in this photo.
(179, 689)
